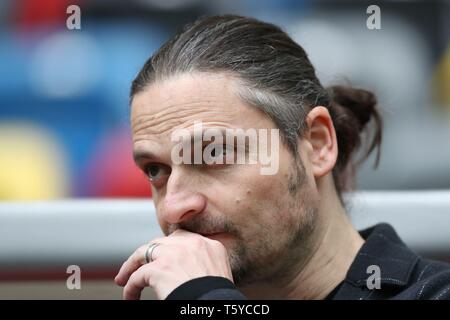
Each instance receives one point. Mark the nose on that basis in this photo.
(180, 203)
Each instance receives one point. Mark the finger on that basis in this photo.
(137, 282)
(135, 261)
(129, 266)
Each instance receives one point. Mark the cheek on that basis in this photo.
(272, 208)
(270, 190)
(260, 201)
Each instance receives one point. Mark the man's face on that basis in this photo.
(264, 221)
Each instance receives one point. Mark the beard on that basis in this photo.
(272, 250)
(281, 250)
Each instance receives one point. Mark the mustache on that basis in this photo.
(205, 225)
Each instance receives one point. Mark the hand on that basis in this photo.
(180, 257)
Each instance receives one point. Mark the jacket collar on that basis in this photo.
(382, 248)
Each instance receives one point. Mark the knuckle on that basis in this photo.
(161, 263)
(132, 279)
(198, 242)
(217, 244)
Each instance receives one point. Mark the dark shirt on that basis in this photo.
(331, 295)
(403, 275)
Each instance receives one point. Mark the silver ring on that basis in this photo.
(149, 252)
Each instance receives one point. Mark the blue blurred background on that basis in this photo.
(64, 109)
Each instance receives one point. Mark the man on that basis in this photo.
(231, 231)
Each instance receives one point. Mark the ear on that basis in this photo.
(322, 139)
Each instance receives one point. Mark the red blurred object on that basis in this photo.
(112, 171)
(30, 13)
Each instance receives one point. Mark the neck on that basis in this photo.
(336, 246)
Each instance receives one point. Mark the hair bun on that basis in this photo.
(351, 110)
(359, 101)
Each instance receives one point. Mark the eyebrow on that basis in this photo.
(142, 154)
(146, 154)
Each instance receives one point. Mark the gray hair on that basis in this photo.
(276, 77)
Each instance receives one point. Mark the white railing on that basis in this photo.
(105, 232)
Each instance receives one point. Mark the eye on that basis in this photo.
(157, 172)
(218, 154)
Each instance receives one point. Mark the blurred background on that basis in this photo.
(64, 127)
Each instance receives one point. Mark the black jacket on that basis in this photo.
(403, 275)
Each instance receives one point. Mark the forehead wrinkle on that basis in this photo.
(206, 125)
(173, 116)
